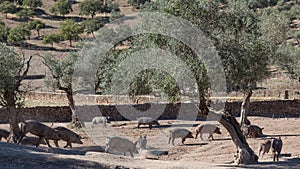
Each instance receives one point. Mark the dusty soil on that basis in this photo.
(194, 154)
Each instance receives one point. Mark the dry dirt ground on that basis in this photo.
(194, 154)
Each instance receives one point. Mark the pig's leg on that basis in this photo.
(47, 141)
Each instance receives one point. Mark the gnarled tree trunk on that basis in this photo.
(245, 108)
(14, 133)
(75, 122)
(244, 154)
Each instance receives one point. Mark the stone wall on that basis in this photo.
(279, 108)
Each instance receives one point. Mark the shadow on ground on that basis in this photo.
(287, 163)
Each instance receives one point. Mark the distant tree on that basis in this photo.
(90, 7)
(32, 3)
(92, 25)
(52, 38)
(7, 7)
(18, 2)
(18, 34)
(115, 15)
(61, 78)
(62, 7)
(70, 30)
(13, 69)
(137, 3)
(4, 31)
(37, 25)
(25, 13)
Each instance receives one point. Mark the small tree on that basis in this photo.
(70, 30)
(32, 3)
(14, 68)
(92, 25)
(62, 72)
(52, 38)
(90, 7)
(137, 3)
(7, 7)
(4, 31)
(18, 34)
(37, 25)
(115, 15)
(25, 13)
(62, 7)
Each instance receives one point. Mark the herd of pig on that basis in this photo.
(45, 133)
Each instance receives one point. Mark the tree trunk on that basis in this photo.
(14, 133)
(245, 108)
(74, 121)
(244, 154)
(70, 42)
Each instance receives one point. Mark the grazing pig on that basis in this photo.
(98, 120)
(68, 136)
(276, 148)
(264, 147)
(207, 128)
(32, 141)
(38, 129)
(253, 131)
(146, 121)
(179, 133)
(4, 134)
(120, 145)
(142, 141)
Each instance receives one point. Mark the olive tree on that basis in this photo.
(61, 72)
(7, 7)
(62, 7)
(37, 25)
(235, 31)
(70, 30)
(90, 7)
(14, 68)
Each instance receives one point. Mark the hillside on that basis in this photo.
(272, 87)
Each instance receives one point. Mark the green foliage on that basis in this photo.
(62, 7)
(32, 3)
(61, 71)
(4, 31)
(25, 13)
(90, 7)
(70, 30)
(18, 34)
(115, 15)
(52, 38)
(37, 25)
(92, 25)
(254, 4)
(7, 7)
(11, 65)
(137, 3)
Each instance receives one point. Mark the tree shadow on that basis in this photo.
(17, 19)
(62, 18)
(90, 149)
(288, 163)
(195, 144)
(28, 157)
(35, 47)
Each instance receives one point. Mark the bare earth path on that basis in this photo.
(195, 154)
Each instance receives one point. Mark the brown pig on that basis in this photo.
(38, 129)
(68, 136)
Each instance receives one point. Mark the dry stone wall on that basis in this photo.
(279, 108)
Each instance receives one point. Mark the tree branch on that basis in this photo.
(18, 83)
